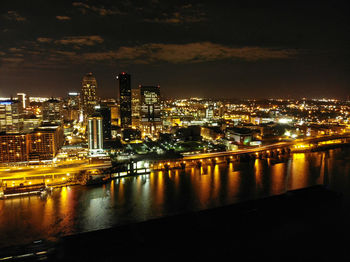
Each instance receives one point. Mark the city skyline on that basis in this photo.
(189, 48)
(182, 128)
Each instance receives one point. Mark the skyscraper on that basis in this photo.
(105, 112)
(135, 107)
(88, 94)
(52, 111)
(11, 116)
(23, 99)
(73, 106)
(150, 110)
(125, 99)
(95, 134)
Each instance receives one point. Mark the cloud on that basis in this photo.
(15, 16)
(189, 53)
(174, 14)
(12, 59)
(81, 40)
(15, 49)
(44, 40)
(176, 18)
(61, 55)
(84, 8)
(63, 18)
(66, 53)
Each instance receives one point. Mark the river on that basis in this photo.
(75, 209)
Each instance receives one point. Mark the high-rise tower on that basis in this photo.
(105, 113)
(150, 110)
(135, 107)
(125, 99)
(11, 116)
(88, 94)
(95, 134)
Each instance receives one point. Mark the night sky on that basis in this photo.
(221, 49)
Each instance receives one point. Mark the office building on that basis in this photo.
(95, 134)
(73, 100)
(13, 148)
(42, 144)
(209, 112)
(115, 114)
(52, 111)
(30, 123)
(151, 123)
(105, 113)
(11, 116)
(23, 99)
(45, 142)
(125, 99)
(135, 107)
(73, 107)
(88, 94)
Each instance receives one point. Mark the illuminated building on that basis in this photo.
(73, 106)
(95, 134)
(13, 148)
(125, 99)
(135, 107)
(23, 99)
(37, 99)
(52, 111)
(150, 110)
(30, 123)
(88, 94)
(45, 142)
(42, 144)
(209, 112)
(73, 100)
(242, 136)
(11, 116)
(211, 132)
(115, 115)
(105, 112)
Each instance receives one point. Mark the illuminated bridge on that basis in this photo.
(268, 151)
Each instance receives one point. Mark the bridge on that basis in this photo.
(267, 151)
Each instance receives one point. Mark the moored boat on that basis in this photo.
(22, 190)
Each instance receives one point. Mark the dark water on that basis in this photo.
(76, 209)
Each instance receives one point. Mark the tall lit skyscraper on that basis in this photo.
(150, 110)
(95, 134)
(125, 99)
(135, 107)
(11, 116)
(88, 94)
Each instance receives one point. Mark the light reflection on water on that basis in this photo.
(70, 210)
